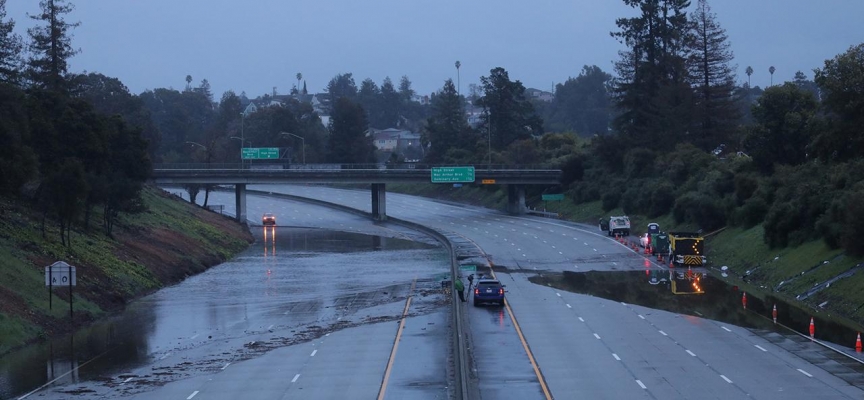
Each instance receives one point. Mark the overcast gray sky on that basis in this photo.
(253, 45)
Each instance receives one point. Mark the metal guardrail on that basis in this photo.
(257, 167)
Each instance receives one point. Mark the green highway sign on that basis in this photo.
(260, 153)
(468, 268)
(553, 197)
(452, 174)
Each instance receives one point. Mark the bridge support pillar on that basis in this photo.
(379, 202)
(516, 200)
(240, 202)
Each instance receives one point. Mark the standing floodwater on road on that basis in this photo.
(289, 287)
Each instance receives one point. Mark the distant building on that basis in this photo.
(393, 139)
(541, 95)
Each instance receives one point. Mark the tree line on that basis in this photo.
(686, 140)
(670, 132)
(59, 151)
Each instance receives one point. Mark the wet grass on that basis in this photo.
(111, 270)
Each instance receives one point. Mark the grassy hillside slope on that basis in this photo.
(170, 241)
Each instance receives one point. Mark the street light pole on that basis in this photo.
(242, 137)
(302, 143)
(458, 81)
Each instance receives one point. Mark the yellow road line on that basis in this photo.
(525, 344)
(396, 344)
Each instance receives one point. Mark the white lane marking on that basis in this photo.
(595, 249)
(192, 395)
(585, 243)
(726, 329)
(698, 313)
(286, 312)
(226, 366)
(580, 319)
(165, 356)
(554, 247)
(560, 253)
(623, 303)
(196, 335)
(642, 385)
(597, 336)
(327, 334)
(545, 242)
(640, 316)
(760, 347)
(663, 333)
(616, 356)
(313, 353)
(128, 379)
(296, 377)
(525, 256)
(568, 306)
(804, 372)
(726, 379)
(614, 263)
(270, 327)
(558, 294)
(691, 353)
(518, 249)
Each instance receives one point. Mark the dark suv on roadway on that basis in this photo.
(488, 291)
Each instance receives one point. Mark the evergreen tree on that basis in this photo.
(405, 89)
(51, 45)
(582, 104)
(391, 105)
(447, 128)
(10, 49)
(342, 85)
(652, 90)
(509, 115)
(842, 81)
(368, 97)
(713, 80)
(349, 142)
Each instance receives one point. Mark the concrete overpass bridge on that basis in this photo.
(515, 177)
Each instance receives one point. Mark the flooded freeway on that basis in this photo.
(335, 295)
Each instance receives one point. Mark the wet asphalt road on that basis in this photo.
(587, 347)
(304, 313)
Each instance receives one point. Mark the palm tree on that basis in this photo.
(771, 70)
(748, 71)
(188, 82)
(299, 77)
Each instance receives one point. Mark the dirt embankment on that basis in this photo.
(168, 242)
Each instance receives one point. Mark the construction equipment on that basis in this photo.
(686, 249)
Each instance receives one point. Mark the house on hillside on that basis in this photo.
(540, 95)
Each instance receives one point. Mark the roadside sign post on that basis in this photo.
(61, 273)
(551, 197)
(452, 174)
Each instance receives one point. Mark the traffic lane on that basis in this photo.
(752, 362)
(343, 364)
(574, 363)
(679, 350)
(498, 360)
(611, 356)
(421, 361)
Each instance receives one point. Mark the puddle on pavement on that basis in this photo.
(673, 291)
(135, 336)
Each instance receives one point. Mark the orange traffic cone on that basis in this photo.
(858, 343)
(774, 314)
(744, 300)
(812, 328)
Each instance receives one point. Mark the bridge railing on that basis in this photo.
(337, 167)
